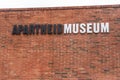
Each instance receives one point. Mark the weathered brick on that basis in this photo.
(60, 57)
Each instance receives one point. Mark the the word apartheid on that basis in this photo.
(60, 28)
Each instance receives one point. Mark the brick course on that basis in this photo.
(60, 57)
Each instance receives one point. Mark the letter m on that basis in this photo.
(67, 28)
(105, 27)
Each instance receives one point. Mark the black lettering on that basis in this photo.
(54, 29)
(49, 28)
(32, 29)
(25, 30)
(37, 28)
(43, 29)
(15, 30)
(20, 29)
(59, 29)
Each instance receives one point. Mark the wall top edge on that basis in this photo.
(59, 8)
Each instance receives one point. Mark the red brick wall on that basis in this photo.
(60, 57)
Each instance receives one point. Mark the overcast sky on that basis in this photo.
(53, 3)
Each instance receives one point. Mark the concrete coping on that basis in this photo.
(59, 8)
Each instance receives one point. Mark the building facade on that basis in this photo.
(66, 43)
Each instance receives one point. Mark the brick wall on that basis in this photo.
(60, 57)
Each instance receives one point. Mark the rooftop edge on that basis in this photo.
(59, 8)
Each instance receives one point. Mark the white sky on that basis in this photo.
(53, 3)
